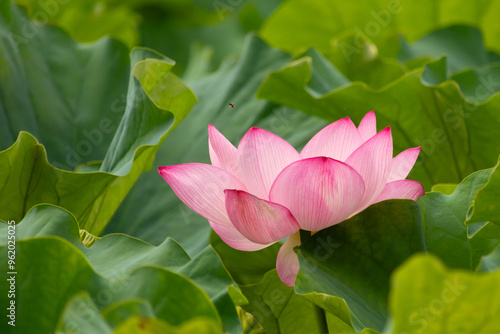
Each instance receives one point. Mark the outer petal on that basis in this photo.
(372, 160)
(287, 263)
(319, 192)
(222, 152)
(201, 187)
(401, 189)
(235, 239)
(403, 163)
(337, 141)
(368, 126)
(259, 220)
(261, 157)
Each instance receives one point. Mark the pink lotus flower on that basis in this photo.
(265, 190)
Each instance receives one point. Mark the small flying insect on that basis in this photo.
(231, 105)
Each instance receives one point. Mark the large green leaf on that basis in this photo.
(426, 297)
(444, 217)
(68, 95)
(301, 24)
(152, 211)
(156, 102)
(117, 269)
(291, 26)
(452, 132)
(354, 259)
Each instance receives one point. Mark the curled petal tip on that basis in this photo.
(163, 169)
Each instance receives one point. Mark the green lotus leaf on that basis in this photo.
(48, 94)
(113, 269)
(427, 297)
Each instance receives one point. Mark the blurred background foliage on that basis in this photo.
(176, 28)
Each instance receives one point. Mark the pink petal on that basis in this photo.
(372, 161)
(258, 220)
(319, 192)
(222, 152)
(337, 141)
(261, 157)
(403, 163)
(235, 239)
(287, 263)
(201, 187)
(401, 189)
(368, 126)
